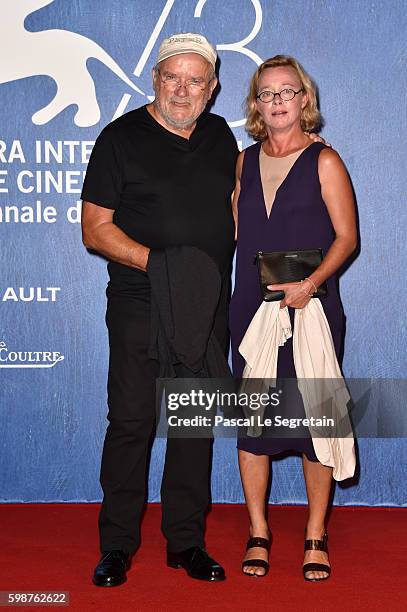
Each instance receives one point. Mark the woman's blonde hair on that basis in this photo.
(311, 118)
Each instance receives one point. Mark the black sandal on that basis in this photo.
(261, 543)
(316, 567)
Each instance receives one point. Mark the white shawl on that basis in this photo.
(314, 358)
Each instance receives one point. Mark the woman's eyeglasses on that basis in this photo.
(285, 94)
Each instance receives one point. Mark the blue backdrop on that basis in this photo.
(66, 69)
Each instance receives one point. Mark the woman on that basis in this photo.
(291, 194)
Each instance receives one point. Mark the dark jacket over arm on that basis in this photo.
(185, 290)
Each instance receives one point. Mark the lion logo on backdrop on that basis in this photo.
(63, 55)
(46, 53)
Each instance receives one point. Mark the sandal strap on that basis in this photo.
(317, 544)
(256, 563)
(258, 542)
(316, 567)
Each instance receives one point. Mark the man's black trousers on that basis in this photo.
(185, 489)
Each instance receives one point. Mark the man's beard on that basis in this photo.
(184, 124)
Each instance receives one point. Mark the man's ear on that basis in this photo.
(155, 76)
(213, 84)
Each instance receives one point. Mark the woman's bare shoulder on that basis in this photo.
(328, 157)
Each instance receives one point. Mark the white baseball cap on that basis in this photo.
(187, 43)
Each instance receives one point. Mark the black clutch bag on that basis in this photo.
(287, 267)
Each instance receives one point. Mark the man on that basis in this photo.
(159, 176)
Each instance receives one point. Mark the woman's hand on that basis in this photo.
(297, 295)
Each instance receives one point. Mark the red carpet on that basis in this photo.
(54, 547)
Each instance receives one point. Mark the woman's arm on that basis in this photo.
(337, 194)
(236, 192)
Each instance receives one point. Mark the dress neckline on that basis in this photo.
(268, 216)
(283, 156)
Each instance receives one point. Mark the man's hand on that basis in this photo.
(297, 295)
(317, 138)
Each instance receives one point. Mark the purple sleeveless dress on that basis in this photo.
(299, 219)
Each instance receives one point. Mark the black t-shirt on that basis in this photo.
(166, 190)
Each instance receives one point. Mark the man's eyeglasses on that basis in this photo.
(285, 94)
(171, 81)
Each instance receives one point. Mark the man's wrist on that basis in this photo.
(144, 258)
(139, 257)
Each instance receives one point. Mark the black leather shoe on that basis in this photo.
(111, 569)
(197, 563)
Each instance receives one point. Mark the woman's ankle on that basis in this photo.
(259, 529)
(314, 531)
